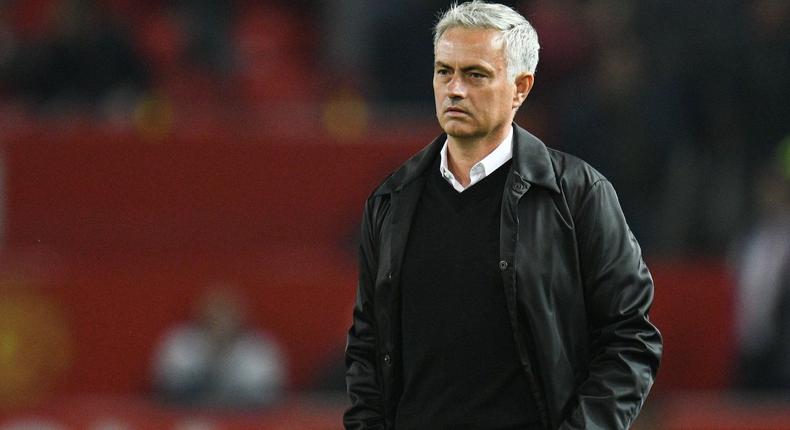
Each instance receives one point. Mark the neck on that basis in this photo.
(463, 153)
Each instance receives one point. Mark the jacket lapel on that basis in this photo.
(404, 204)
(531, 167)
(405, 187)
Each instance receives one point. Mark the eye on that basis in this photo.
(477, 75)
(442, 72)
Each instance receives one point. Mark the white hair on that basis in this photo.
(521, 40)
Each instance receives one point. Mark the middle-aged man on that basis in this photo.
(500, 286)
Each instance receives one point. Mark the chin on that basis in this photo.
(455, 129)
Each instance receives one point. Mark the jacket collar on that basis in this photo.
(531, 163)
(531, 160)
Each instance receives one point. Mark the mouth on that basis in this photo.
(455, 111)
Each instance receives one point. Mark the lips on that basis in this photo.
(455, 110)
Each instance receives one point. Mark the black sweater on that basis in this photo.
(460, 366)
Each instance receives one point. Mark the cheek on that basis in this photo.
(490, 104)
(438, 95)
(503, 102)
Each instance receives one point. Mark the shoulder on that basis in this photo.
(549, 168)
(411, 169)
(578, 181)
(588, 194)
(572, 171)
(183, 345)
(378, 202)
(184, 335)
(259, 344)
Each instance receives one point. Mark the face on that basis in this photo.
(474, 98)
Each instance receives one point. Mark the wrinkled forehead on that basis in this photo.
(468, 44)
(472, 35)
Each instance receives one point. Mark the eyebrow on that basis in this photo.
(476, 67)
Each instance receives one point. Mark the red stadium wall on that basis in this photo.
(120, 236)
(116, 236)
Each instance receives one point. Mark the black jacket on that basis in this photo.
(577, 291)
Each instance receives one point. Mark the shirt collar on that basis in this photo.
(499, 156)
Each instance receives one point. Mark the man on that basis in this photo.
(500, 286)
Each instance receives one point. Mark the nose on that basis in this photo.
(456, 88)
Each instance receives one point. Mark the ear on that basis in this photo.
(523, 86)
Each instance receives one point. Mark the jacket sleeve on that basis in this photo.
(625, 346)
(362, 380)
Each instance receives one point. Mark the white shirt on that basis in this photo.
(499, 156)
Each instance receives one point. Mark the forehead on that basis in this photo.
(470, 45)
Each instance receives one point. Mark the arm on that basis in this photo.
(625, 347)
(362, 377)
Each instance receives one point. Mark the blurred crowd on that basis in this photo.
(217, 359)
(152, 65)
(761, 262)
(681, 104)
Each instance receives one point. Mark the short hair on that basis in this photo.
(520, 38)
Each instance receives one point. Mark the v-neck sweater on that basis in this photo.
(460, 365)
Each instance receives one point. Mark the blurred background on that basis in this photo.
(181, 184)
